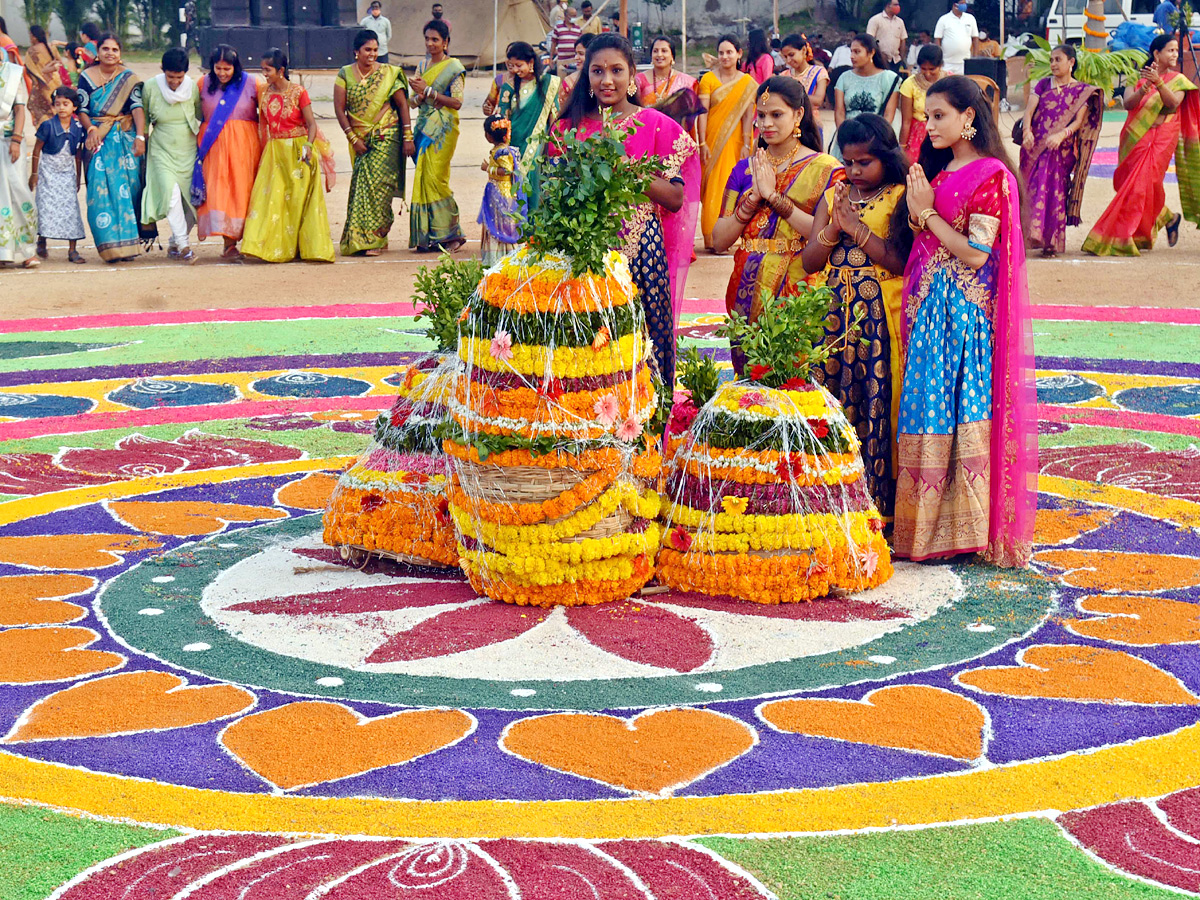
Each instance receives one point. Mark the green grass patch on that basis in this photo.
(1028, 859)
(40, 849)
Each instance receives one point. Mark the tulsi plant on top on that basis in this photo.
(442, 293)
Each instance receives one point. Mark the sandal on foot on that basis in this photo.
(31, 263)
(42, 252)
(76, 257)
(186, 256)
(372, 252)
(1173, 230)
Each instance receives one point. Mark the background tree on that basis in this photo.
(72, 14)
(114, 16)
(37, 12)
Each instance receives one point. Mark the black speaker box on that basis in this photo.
(252, 43)
(230, 12)
(305, 13)
(270, 13)
(994, 69)
(322, 48)
(333, 13)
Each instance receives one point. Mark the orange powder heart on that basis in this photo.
(1054, 526)
(1105, 570)
(310, 492)
(130, 701)
(907, 717)
(187, 518)
(1073, 672)
(26, 599)
(31, 655)
(1139, 620)
(313, 741)
(71, 551)
(652, 752)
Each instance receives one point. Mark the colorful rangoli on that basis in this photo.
(199, 698)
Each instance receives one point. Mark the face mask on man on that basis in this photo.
(962, 7)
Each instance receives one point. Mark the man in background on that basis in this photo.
(1163, 13)
(589, 23)
(888, 30)
(562, 43)
(377, 22)
(957, 34)
(438, 13)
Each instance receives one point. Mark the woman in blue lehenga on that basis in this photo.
(110, 98)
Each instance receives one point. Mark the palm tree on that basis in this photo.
(1095, 37)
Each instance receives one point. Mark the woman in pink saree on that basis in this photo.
(659, 233)
(968, 432)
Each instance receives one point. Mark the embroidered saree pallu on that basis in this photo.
(555, 485)
(392, 501)
(433, 214)
(766, 499)
(378, 175)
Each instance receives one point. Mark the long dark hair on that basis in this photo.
(877, 135)
(756, 46)
(798, 42)
(963, 94)
(277, 59)
(868, 43)
(226, 54)
(523, 51)
(38, 34)
(793, 94)
(582, 103)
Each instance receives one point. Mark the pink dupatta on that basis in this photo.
(1014, 402)
(657, 134)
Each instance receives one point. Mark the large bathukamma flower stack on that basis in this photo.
(392, 501)
(555, 486)
(766, 499)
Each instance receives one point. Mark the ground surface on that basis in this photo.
(235, 712)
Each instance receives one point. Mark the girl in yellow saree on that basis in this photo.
(370, 101)
(725, 132)
(438, 92)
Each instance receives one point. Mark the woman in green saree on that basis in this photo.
(370, 101)
(438, 91)
(530, 102)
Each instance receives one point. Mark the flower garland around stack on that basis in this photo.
(766, 499)
(556, 468)
(392, 501)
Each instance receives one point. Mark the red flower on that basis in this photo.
(680, 539)
(796, 384)
(551, 389)
(819, 428)
(400, 414)
(758, 372)
(875, 524)
(443, 511)
(783, 468)
(371, 502)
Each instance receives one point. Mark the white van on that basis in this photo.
(1115, 12)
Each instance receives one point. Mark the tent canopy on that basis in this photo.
(470, 27)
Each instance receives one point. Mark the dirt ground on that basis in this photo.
(1164, 277)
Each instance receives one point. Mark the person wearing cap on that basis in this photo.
(377, 22)
(889, 32)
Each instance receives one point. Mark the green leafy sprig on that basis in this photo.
(699, 374)
(587, 193)
(788, 337)
(442, 292)
(1099, 69)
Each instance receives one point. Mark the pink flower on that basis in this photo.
(682, 416)
(751, 398)
(870, 561)
(606, 409)
(630, 429)
(502, 345)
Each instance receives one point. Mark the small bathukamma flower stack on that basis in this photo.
(554, 491)
(766, 499)
(392, 501)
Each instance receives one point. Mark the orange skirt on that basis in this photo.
(229, 171)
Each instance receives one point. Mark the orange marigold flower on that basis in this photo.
(602, 339)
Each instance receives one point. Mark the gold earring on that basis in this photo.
(968, 132)
(591, 93)
(797, 130)
(631, 91)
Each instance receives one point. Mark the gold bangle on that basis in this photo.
(923, 218)
(862, 241)
(827, 242)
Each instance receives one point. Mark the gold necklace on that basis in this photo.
(786, 158)
(666, 84)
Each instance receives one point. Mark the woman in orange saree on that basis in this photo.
(725, 132)
(1164, 121)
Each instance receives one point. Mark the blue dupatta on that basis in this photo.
(199, 192)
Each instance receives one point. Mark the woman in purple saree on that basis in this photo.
(1061, 126)
(968, 435)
